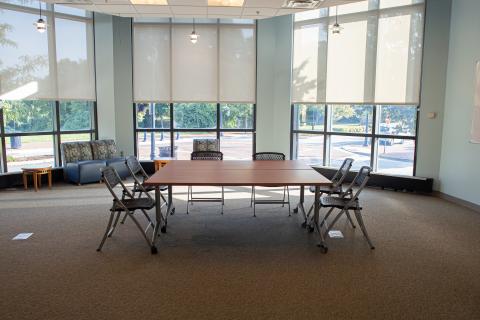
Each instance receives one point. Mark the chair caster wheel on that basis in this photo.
(163, 229)
(310, 229)
(372, 248)
(295, 210)
(323, 248)
(304, 224)
(172, 212)
(153, 250)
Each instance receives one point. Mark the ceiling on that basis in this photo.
(251, 9)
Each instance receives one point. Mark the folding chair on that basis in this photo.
(137, 172)
(337, 181)
(253, 201)
(347, 201)
(127, 203)
(204, 155)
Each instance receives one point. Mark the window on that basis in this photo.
(233, 124)
(185, 91)
(380, 136)
(362, 106)
(41, 108)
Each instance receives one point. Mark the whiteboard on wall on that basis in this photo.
(475, 134)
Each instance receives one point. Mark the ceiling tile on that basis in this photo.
(225, 10)
(189, 16)
(259, 12)
(184, 10)
(152, 9)
(264, 3)
(195, 3)
(119, 8)
(281, 12)
(223, 16)
(89, 7)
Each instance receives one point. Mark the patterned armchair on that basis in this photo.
(82, 161)
(206, 145)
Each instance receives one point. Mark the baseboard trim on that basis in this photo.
(464, 203)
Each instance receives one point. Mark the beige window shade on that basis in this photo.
(220, 67)
(309, 62)
(75, 67)
(194, 66)
(151, 60)
(26, 69)
(376, 58)
(237, 64)
(399, 54)
(346, 63)
(49, 65)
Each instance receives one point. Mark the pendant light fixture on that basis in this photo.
(41, 25)
(336, 28)
(194, 36)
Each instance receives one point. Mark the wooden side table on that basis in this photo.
(36, 174)
(161, 162)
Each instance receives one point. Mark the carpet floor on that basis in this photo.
(426, 264)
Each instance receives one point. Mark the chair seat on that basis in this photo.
(335, 202)
(327, 189)
(134, 204)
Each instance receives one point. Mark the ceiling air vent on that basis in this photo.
(302, 4)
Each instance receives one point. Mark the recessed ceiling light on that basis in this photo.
(151, 2)
(225, 3)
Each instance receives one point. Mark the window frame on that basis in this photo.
(328, 133)
(55, 133)
(172, 131)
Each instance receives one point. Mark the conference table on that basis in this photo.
(237, 173)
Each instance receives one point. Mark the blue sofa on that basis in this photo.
(82, 161)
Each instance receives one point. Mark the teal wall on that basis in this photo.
(460, 160)
(434, 71)
(274, 76)
(113, 53)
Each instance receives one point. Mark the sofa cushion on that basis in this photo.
(104, 149)
(205, 145)
(70, 152)
(119, 165)
(84, 171)
(85, 151)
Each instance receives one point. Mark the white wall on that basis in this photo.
(274, 76)
(460, 160)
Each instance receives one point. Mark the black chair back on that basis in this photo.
(268, 156)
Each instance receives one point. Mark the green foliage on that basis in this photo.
(27, 116)
(237, 116)
(75, 115)
(195, 115)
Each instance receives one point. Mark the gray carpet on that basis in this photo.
(426, 265)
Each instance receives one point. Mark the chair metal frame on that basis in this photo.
(261, 156)
(127, 203)
(337, 182)
(205, 155)
(348, 200)
(136, 170)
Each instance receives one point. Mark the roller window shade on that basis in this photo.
(237, 64)
(194, 66)
(151, 54)
(75, 67)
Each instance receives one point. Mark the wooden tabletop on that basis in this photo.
(237, 173)
(37, 169)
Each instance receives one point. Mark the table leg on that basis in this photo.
(322, 244)
(39, 180)
(50, 179)
(35, 181)
(302, 199)
(158, 219)
(25, 181)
